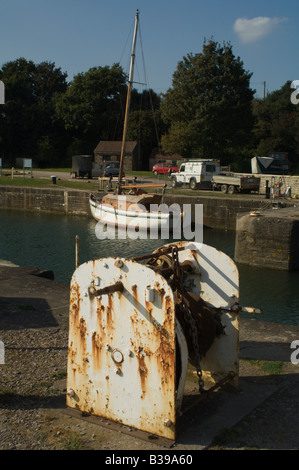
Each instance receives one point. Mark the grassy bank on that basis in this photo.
(47, 183)
(93, 185)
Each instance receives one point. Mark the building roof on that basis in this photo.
(165, 156)
(114, 146)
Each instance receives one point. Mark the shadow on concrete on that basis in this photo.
(12, 401)
(266, 351)
(225, 408)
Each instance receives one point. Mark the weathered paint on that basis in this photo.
(128, 350)
(139, 389)
(215, 279)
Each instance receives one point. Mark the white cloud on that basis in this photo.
(256, 28)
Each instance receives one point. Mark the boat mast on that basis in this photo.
(128, 101)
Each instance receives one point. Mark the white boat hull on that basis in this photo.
(143, 220)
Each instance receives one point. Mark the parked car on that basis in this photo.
(112, 168)
(164, 168)
(206, 174)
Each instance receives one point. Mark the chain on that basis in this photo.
(177, 285)
(175, 264)
(191, 321)
(194, 335)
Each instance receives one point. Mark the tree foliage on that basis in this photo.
(277, 124)
(28, 116)
(208, 107)
(145, 124)
(209, 112)
(90, 107)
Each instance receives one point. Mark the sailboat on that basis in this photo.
(131, 205)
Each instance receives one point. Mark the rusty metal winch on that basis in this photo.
(135, 324)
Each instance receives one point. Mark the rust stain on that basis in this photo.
(100, 307)
(168, 305)
(150, 340)
(142, 369)
(161, 290)
(97, 346)
(110, 313)
(168, 324)
(109, 318)
(166, 363)
(134, 317)
(75, 300)
(195, 255)
(82, 327)
(160, 330)
(110, 301)
(149, 308)
(135, 322)
(135, 294)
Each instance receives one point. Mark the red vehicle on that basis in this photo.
(164, 168)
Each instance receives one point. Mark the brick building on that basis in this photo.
(108, 150)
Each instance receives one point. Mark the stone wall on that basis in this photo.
(291, 181)
(270, 239)
(218, 212)
(45, 200)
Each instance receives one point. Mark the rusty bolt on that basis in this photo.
(107, 347)
(167, 423)
(118, 371)
(118, 263)
(71, 393)
(91, 290)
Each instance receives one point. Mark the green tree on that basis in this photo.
(277, 124)
(90, 108)
(147, 100)
(145, 123)
(209, 107)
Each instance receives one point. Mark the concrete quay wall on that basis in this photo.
(218, 212)
(269, 239)
(45, 200)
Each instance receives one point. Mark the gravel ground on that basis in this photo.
(33, 381)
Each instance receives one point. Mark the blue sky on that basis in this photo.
(78, 35)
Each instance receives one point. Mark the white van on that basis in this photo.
(196, 173)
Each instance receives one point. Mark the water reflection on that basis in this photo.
(48, 242)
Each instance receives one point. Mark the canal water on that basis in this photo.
(47, 241)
